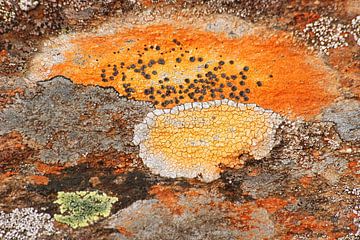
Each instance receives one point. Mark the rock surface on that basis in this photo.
(78, 77)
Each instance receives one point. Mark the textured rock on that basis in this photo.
(198, 215)
(346, 115)
(66, 121)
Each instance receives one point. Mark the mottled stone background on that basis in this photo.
(57, 135)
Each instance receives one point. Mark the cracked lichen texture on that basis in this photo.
(194, 139)
(66, 121)
(82, 208)
(25, 224)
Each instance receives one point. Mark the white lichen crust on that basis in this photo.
(193, 139)
(25, 224)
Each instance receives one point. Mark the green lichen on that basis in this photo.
(82, 208)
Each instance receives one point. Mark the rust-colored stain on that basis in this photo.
(109, 159)
(354, 167)
(124, 232)
(6, 175)
(272, 204)
(167, 197)
(169, 66)
(305, 181)
(48, 169)
(39, 180)
(298, 223)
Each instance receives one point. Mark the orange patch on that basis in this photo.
(305, 181)
(48, 169)
(271, 204)
(6, 175)
(123, 231)
(292, 81)
(297, 223)
(354, 166)
(39, 180)
(167, 197)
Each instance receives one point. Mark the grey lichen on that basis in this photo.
(66, 121)
(346, 116)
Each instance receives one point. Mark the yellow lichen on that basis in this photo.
(193, 139)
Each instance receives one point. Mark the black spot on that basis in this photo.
(161, 61)
(192, 59)
(151, 62)
(259, 83)
(221, 63)
(246, 68)
(247, 90)
(231, 62)
(244, 77)
(157, 48)
(242, 83)
(154, 72)
(178, 60)
(200, 59)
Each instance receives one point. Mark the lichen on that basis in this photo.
(66, 121)
(82, 208)
(193, 139)
(25, 224)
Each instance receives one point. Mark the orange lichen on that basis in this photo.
(305, 181)
(39, 180)
(272, 204)
(6, 175)
(298, 223)
(48, 169)
(194, 139)
(167, 197)
(124, 232)
(293, 81)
